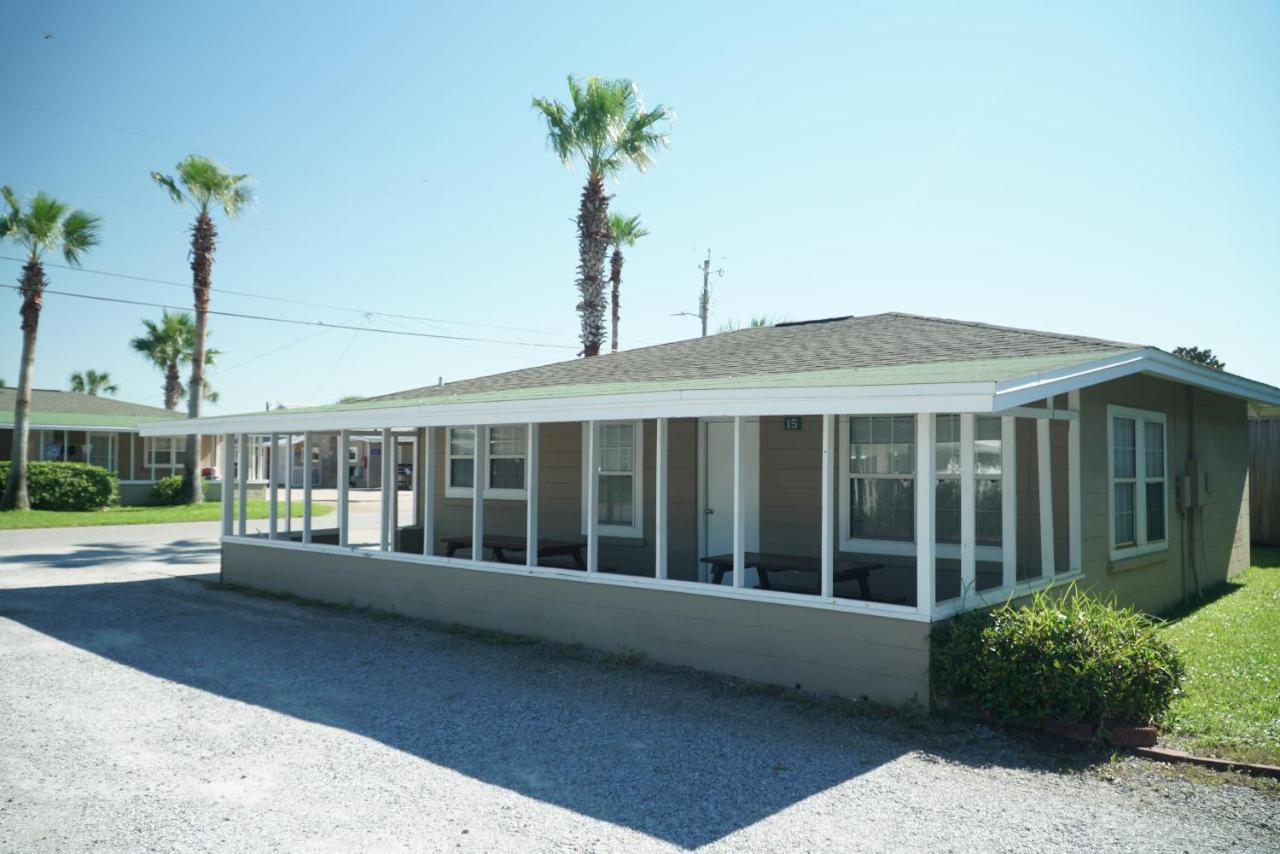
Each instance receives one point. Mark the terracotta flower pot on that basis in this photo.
(1070, 729)
(1132, 736)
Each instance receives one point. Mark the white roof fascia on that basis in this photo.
(1022, 390)
(691, 403)
(75, 428)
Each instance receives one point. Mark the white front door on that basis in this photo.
(716, 489)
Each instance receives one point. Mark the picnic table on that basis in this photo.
(765, 563)
(502, 545)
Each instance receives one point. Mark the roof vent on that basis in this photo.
(813, 322)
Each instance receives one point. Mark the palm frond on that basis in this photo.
(169, 185)
(81, 230)
(625, 230)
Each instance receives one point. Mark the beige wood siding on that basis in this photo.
(851, 655)
(1220, 532)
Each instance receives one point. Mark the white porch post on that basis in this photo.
(242, 486)
(531, 495)
(414, 475)
(344, 486)
(288, 484)
(1046, 497)
(593, 511)
(307, 444)
(393, 493)
(388, 491)
(1009, 500)
(660, 501)
(133, 452)
(1073, 483)
(968, 508)
(739, 528)
(828, 536)
(925, 531)
(228, 483)
(273, 476)
(478, 478)
(429, 490)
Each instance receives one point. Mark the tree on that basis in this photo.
(204, 185)
(92, 383)
(45, 225)
(606, 127)
(170, 345)
(1200, 357)
(623, 231)
(754, 323)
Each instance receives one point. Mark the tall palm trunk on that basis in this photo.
(203, 238)
(172, 385)
(32, 290)
(615, 282)
(593, 243)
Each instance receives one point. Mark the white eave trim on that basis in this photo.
(1022, 390)
(74, 428)
(696, 403)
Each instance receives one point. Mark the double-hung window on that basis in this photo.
(505, 457)
(1137, 472)
(986, 463)
(619, 452)
(880, 469)
(165, 455)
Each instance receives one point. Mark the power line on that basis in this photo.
(296, 322)
(290, 301)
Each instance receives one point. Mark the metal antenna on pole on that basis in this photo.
(704, 299)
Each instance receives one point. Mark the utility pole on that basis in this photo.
(704, 299)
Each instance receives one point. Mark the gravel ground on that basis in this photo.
(143, 711)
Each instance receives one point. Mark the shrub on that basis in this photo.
(168, 490)
(1064, 656)
(67, 486)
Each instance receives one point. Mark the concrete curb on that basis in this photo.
(1168, 754)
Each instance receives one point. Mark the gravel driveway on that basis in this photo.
(144, 711)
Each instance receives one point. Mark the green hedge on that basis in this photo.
(1064, 656)
(168, 490)
(67, 486)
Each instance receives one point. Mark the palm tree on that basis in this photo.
(623, 231)
(46, 225)
(169, 345)
(91, 383)
(204, 185)
(606, 127)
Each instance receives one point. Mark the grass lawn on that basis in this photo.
(1231, 700)
(209, 511)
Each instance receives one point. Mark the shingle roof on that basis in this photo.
(68, 409)
(872, 343)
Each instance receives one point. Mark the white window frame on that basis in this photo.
(636, 529)
(903, 548)
(984, 551)
(92, 438)
(452, 491)
(173, 444)
(1140, 480)
(848, 542)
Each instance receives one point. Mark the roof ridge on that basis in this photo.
(1057, 336)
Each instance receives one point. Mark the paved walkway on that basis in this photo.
(143, 709)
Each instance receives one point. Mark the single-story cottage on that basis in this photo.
(85, 428)
(793, 504)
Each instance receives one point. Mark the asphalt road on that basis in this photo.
(143, 709)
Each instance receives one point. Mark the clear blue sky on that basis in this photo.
(1102, 169)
